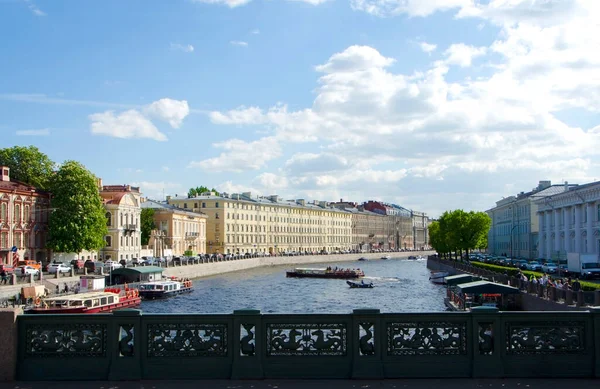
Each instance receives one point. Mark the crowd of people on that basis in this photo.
(548, 281)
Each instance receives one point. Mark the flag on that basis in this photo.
(15, 259)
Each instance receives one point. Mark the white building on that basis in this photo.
(570, 222)
(515, 227)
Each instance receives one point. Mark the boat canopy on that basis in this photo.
(461, 279)
(486, 287)
(310, 270)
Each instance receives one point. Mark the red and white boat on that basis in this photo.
(107, 300)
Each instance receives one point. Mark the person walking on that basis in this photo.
(3, 275)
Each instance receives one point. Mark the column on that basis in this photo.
(577, 228)
(542, 229)
(568, 218)
(556, 230)
(588, 226)
(548, 215)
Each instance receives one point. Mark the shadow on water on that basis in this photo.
(399, 286)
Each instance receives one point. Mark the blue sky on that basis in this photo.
(431, 104)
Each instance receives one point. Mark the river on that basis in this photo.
(400, 285)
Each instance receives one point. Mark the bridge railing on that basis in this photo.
(130, 345)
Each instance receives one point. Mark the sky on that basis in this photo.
(433, 105)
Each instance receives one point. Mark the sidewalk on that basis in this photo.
(450, 383)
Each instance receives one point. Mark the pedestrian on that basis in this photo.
(66, 288)
(576, 287)
(57, 289)
(3, 275)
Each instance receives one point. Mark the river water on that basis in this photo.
(400, 285)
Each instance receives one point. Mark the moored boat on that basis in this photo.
(325, 273)
(439, 277)
(386, 257)
(107, 300)
(359, 285)
(363, 259)
(163, 289)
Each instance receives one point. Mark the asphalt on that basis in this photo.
(452, 383)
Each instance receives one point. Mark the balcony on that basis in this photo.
(192, 235)
(130, 227)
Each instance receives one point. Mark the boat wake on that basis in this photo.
(391, 279)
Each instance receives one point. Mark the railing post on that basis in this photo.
(569, 297)
(366, 342)
(597, 300)
(595, 311)
(487, 342)
(248, 343)
(125, 345)
(9, 338)
(580, 298)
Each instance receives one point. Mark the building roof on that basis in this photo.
(460, 279)
(481, 287)
(13, 185)
(157, 205)
(138, 270)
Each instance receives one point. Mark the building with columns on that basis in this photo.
(570, 222)
(515, 228)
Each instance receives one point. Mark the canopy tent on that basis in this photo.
(461, 279)
(486, 287)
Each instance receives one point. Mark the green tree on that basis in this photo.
(197, 191)
(147, 224)
(78, 221)
(28, 165)
(460, 231)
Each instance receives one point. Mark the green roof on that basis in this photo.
(461, 279)
(139, 269)
(480, 287)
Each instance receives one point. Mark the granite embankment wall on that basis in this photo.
(214, 268)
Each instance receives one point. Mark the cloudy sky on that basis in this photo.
(430, 104)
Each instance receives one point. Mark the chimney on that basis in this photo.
(566, 186)
(4, 173)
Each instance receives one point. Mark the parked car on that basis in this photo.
(9, 269)
(135, 262)
(29, 262)
(27, 270)
(77, 263)
(93, 266)
(549, 268)
(534, 265)
(54, 268)
(112, 265)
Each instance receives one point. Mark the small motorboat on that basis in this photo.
(439, 277)
(361, 284)
(386, 257)
(363, 259)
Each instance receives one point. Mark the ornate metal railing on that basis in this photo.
(129, 345)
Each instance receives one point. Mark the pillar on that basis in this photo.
(577, 228)
(588, 227)
(543, 229)
(8, 340)
(556, 230)
(548, 234)
(568, 218)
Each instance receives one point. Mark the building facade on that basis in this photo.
(242, 223)
(24, 214)
(122, 204)
(570, 222)
(177, 230)
(403, 228)
(515, 227)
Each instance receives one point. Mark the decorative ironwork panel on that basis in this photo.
(366, 339)
(486, 338)
(247, 341)
(545, 338)
(126, 340)
(187, 340)
(68, 340)
(306, 339)
(427, 338)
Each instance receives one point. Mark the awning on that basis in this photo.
(481, 287)
(461, 279)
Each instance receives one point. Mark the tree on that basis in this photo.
(28, 165)
(197, 191)
(459, 230)
(147, 224)
(78, 221)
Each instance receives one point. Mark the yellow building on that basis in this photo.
(177, 230)
(241, 223)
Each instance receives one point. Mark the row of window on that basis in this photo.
(286, 239)
(22, 240)
(563, 213)
(24, 216)
(126, 241)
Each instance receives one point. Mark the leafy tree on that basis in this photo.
(147, 224)
(197, 191)
(78, 222)
(460, 231)
(29, 165)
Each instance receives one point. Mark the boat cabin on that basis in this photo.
(161, 286)
(465, 296)
(88, 300)
(91, 283)
(126, 275)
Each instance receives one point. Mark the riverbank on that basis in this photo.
(216, 268)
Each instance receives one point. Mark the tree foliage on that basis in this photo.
(78, 221)
(147, 224)
(28, 165)
(460, 231)
(197, 191)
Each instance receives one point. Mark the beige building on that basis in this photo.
(23, 219)
(242, 223)
(122, 204)
(177, 231)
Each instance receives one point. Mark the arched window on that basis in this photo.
(26, 214)
(108, 219)
(108, 240)
(3, 212)
(17, 216)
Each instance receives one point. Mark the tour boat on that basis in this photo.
(325, 273)
(359, 285)
(363, 259)
(163, 289)
(386, 257)
(107, 300)
(439, 277)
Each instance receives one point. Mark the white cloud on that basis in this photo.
(185, 48)
(355, 58)
(238, 43)
(165, 169)
(40, 132)
(169, 110)
(158, 190)
(384, 8)
(228, 3)
(427, 47)
(34, 8)
(240, 155)
(129, 124)
(312, 2)
(271, 182)
(256, 31)
(463, 55)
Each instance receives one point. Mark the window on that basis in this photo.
(3, 213)
(17, 217)
(217, 215)
(26, 214)
(108, 219)
(217, 204)
(185, 205)
(203, 205)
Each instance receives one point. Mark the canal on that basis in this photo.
(400, 285)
